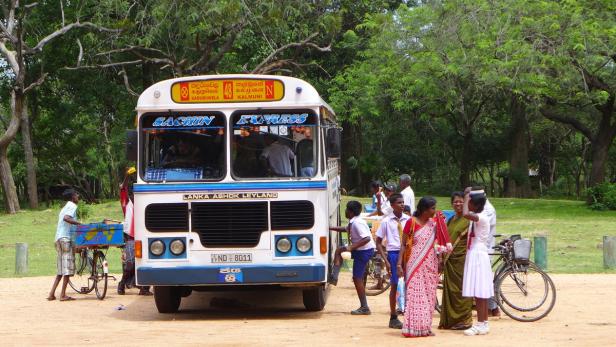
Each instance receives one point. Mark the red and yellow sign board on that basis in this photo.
(227, 90)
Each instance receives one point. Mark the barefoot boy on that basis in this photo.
(361, 248)
(65, 260)
(390, 229)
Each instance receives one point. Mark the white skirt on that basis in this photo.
(477, 280)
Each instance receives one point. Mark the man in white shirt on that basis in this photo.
(361, 248)
(65, 260)
(278, 157)
(391, 229)
(490, 212)
(407, 192)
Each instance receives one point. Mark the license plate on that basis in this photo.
(230, 275)
(221, 258)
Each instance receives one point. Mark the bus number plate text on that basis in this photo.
(222, 258)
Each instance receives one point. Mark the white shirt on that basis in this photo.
(490, 212)
(279, 158)
(64, 229)
(481, 228)
(358, 229)
(409, 198)
(386, 207)
(389, 230)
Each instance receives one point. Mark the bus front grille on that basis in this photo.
(292, 215)
(229, 224)
(166, 217)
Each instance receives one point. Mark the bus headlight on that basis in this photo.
(176, 247)
(303, 244)
(283, 245)
(157, 248)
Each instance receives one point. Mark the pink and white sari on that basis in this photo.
(421, 274)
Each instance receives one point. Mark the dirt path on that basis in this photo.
(585, 315)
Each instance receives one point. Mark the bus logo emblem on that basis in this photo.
(228, 90)
(184, 91)
(269, 89)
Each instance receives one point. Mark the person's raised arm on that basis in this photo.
(338, 229)
(465, 211)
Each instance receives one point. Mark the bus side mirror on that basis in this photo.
(333, 139)
(131, 145)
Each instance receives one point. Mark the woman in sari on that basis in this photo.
(423, 237)
(456, 311)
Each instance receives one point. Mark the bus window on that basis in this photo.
(274, 144)
(183, 146)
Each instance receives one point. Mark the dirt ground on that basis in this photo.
(584, 315)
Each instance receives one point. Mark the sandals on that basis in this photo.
(67, 298)
(362, 311)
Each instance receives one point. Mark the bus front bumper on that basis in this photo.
(232, 274)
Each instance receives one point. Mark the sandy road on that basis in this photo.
(585, 315)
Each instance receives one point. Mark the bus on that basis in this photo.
(238, 182)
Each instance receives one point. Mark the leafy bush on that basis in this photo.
(602, 196)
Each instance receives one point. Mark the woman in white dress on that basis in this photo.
(477, 280)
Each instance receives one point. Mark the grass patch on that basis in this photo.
(37, 228)
(574, 232)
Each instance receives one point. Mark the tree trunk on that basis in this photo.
(11, 199)
(30, 160)
(600, 148)
(518, 184)
(8, 184)
(465, 161)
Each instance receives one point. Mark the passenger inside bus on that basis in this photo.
(277, 157)
(305, 154)
(183, 154)
(248, 146)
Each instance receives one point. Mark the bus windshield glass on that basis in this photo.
(186, 146)
(268, 143)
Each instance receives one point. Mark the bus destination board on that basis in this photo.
(227, 90)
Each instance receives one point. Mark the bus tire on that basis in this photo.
(167, 299)
(315, 298)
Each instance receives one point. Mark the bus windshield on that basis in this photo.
(187, 146)
(269, 143)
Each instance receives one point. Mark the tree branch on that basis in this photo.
(36, 83)
(44, 41)
(10, 57)
(575, 123)
(104, 66)
(594, 82)
(126, 83)
(305, 43)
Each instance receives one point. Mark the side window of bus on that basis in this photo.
(273, 143)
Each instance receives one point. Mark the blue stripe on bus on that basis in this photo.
(192, 187)
(210, 275)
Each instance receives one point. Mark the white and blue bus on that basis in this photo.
(238, 183)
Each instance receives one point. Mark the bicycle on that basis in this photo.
(522, 290)
(376, 278)
(91, 272)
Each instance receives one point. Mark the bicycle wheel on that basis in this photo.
(525, 294)
(376, 278)
(82, 281)
(100, 274)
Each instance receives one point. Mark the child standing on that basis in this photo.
(477, 280)
(391, 230)
(361, 248)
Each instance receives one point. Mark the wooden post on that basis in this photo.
(609, 252)
(541, 251)
(21, 258)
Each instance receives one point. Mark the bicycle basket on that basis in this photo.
(521, 250)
